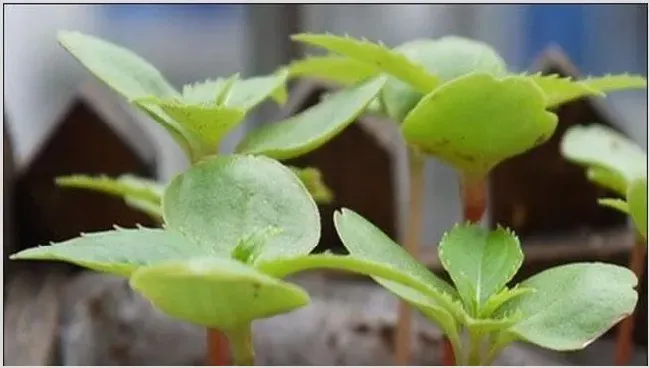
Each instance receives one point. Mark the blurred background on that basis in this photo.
(190, 43)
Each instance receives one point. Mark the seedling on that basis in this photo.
(454, 99)
(616, 163)
(563, 308)
(233, 227)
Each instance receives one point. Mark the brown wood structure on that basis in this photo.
(94, 136)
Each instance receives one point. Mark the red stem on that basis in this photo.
(218, 349)
(624, 339)
(473, 196)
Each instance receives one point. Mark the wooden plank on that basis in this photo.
(31, 316)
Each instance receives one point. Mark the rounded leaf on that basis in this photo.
(447, 58)
(476, 121)
(216, 293)
(225, 199)
(573, 304)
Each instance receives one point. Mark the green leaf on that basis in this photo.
(497, 300)
(119, 251)
(209, 92)
(224, 199)
(140, 193)
(615, 82)
(484, 326)
(151, 107)
(376, 55)
(365, 241)
(477, 121)
(637, 198)
(313, 127)
(246, 94)
(602, 147)
(204, 126)
(312, 179)
(559, 90)
(479, 261)
(125, 72)
(447, 58)
(607, 178)
(250, 247)
(216, 293)
(573, 304)
(615, 203)
(342, 70)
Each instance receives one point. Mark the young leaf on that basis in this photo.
(313, 127)
(376, 55)
(135, 191)
(477, 121)
(246, 94)
(615, 203)
(151, 107)
(204, 126)
(312, 179)
(365, 241)
(342, 70)
(479, 261)
(119, 251)
(637, 198)
(217, 293)
(447, 58)
(224, 199)
(573, 304)
(559, 90)
(608, 178)
(615, 82)
(497, 300)
(599, 146)
(210, 92)
(125, 72)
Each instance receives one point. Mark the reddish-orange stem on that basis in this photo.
(624, 340)
(218, 349)
(473, 196)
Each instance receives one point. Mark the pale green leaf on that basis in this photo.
(476, 121)
(375, 55)
(559, 90)
(488, 325)
(637, 198)
(365, 241)
(246, 94)
(224, 199)
(312, 179)
(497, 300)
(119, 251)
(140, 193)
(209, 92)
(607, 178)
(479, 261)
(313, 127)
(204, 126)
(447, 58)
(125, 72)
(615, 82)
(599, 146)
(573, 304)
(217, 293)
(250, 247)
(151, 107)
(342, 70)
(615, 203)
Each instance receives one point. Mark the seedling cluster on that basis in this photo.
(234, 225)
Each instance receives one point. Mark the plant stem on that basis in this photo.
(218, 353)
(624, 340)
(241, 345)
(412, 245)
(474, 357)
(473, 196)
